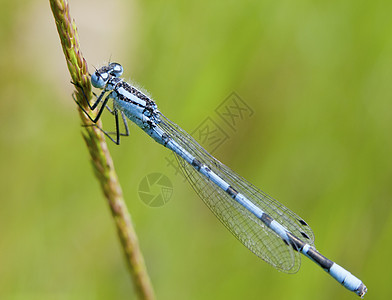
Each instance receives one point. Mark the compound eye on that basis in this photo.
(117, 69)
(99, 80)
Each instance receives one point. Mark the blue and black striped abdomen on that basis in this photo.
(224, 202)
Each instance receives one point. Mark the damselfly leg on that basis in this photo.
(104, 105)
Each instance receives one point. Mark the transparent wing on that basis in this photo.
(242, 224)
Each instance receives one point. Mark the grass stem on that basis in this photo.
(99, 153)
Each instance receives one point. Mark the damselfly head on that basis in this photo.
(99, 79)
(102, 75)
(116, 69)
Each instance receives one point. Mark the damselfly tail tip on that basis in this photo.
(362, 290)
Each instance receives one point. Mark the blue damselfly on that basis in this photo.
(262, 224)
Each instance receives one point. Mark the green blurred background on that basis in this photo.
(317, 75)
